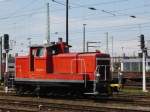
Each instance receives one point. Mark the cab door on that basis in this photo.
(40, 62)
(32, 56)
(49, 60)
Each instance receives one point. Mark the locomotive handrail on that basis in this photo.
(18, 67)
(98, 66)
(82, 72)
(94, 85)
(95, 75)
(85, 77)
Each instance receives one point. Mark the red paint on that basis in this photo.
(60, 66)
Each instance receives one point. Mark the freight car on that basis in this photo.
(51, 68)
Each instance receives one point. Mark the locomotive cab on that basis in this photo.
(45, 52)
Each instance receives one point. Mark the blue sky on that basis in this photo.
(24, 19)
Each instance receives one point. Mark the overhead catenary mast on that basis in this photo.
(84, 37)
(67, 32)
(48, 25)
(67, 14)
(107, 50)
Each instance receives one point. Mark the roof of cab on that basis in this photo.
(46, 45)
(42, 45)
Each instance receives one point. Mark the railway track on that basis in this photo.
(136, 100)
(30, 104)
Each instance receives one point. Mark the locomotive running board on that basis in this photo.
(93, 93)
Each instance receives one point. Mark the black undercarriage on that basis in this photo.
(62, 88)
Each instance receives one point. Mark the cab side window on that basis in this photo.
(40, 52)
(55, 50)
(33, 52)
(52, 51)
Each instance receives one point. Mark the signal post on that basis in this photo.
(6, 48)
(144, 50)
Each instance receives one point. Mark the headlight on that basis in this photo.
(97, 75)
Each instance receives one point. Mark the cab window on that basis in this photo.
(40, 52)
(33, 53)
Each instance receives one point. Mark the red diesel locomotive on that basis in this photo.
(50, 68)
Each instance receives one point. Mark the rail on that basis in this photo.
(41, 104)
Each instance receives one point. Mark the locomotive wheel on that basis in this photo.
(19, 91)
(109, 91)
